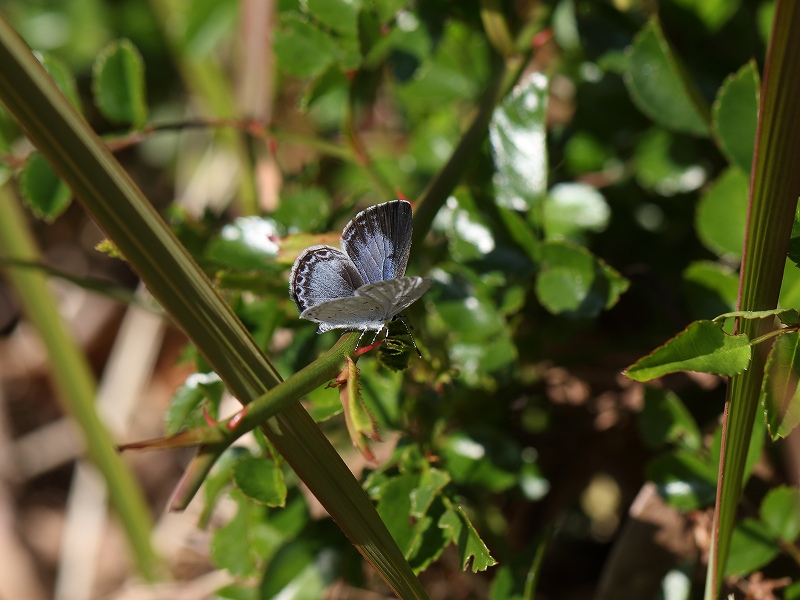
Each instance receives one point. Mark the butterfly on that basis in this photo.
(362, 286)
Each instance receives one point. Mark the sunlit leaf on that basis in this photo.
(303, 49)
(668, 163)
(246, 243)
(472, 552)
(482, 458)
(517, 135)
(572, 208)
(711, 288)
(702, 346)
(712, 13)
(576, 283)
(736, 116)
(63, 76)
(660, 87)
(780, 390)
(201, 390)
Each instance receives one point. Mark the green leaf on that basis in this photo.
(660, 87)
(792, 592)
(517, 135)
(735, 113)
(302, 49)
(752, 547)
(247, 244)
(360, 423)
(574, 282)
(780, 388)
(702, 347)
(186, 408)
(666, 420)
(44, 193)
(780, 511)
(570, 209)
(62, 75)
(468, 236)
(303, 209)
(685, 480)
(483, 458)
(243, 545)
(339, 15)
(118, 83)
(261, 480)
(472, 552)
(722, 213)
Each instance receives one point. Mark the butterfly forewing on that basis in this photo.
(378, 240)
(321, 274)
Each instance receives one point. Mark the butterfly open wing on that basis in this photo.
(372, 306)
(378, 240)
(321, 274)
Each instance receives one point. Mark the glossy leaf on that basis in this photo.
(299, 571)
(517, 136)
(118, 83)
(575, 283)
(722, 213)
(780, 511)
(482, 458)
(261, 480)
(466, 231)
(702, 347)
(660, 87)
(712, 13)
(44, 193)
(752, 547)
(666, 420)
(685, 480)
(573, 208)
(735, 113)
(247, 243)
(780, 389)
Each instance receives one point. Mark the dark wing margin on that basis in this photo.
(320, 274)
(378, 240)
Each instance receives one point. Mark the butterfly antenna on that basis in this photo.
(408, 330)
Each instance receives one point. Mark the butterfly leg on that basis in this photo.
(408, 330)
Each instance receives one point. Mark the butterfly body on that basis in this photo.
(362, 286)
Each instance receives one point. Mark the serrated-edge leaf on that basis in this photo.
(743, 128)
(780, 388)
(688, 114)
(472, 552)
(727, 355)
(360, 423)
(126, 104)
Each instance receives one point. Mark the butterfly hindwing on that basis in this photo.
(378, 240)
(321, 274)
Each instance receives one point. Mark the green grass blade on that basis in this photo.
(774, 189)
